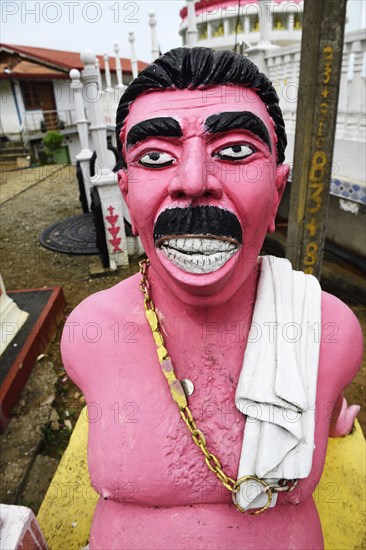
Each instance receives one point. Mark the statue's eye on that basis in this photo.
(154, 159)
(234, 152)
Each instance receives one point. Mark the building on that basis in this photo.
(35, 94)
(229, 24)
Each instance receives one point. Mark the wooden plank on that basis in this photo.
(320, 69)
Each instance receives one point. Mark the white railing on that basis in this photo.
(110, 101)
(284, 68)
(39, 121)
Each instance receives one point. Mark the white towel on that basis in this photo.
(277, 385)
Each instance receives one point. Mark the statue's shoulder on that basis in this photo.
(92, 326)
(107, 303)
(341, 342)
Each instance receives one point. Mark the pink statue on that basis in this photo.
(159, 357)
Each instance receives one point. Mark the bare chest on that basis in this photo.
(140, 450)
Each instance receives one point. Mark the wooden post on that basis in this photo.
(320, 70)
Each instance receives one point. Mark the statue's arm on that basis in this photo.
(74, 352)
(342, 356)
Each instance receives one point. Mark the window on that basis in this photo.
(280, 21)
(298, 21)
(238, 22)
(218, 28)
(31, 96)
(253, 23)
(202, 31)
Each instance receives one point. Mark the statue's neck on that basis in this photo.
(208, 333)
(224, 307)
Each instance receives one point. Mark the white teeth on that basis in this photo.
(198, 255)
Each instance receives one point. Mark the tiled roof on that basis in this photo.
(64, 60)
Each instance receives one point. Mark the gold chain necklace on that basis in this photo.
(180, 398)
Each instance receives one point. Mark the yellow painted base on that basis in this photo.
(341, 494)
(67, 510)
(68, 507)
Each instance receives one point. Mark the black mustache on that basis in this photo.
(198, 220)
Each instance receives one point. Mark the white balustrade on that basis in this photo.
(283, 68)
(113, 207)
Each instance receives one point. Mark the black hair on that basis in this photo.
(191, 68)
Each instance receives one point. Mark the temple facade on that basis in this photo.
(233, 24)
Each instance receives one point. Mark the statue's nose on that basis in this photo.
(195, 176)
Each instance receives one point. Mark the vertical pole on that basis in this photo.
(85, 154)
(154, 40)
(111, 108)
(258, 52)
(92, 96)
(107, 71)
(320, 69)
(118, 66)
(97, 66)
(105, 180)
(192, 25)
(265, 22)
(81, 121)
(131, 38)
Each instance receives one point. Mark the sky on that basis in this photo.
(83, 24)
(75, 25)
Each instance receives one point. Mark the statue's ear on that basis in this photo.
(123, 183)
(282, 173)
(122, 178)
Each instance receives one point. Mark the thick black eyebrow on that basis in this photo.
(154, 127)
(242, 120)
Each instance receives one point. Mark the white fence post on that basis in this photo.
(154, 40)
(118, 66)
(104, 179)
(82, 124)
(134, 65)
(192, 24)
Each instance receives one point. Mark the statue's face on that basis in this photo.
(202, 183)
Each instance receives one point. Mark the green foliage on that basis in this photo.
(51, 143)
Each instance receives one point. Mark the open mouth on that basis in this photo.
(198, 253)
(198, 239)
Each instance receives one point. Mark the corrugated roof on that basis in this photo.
(61, 60)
